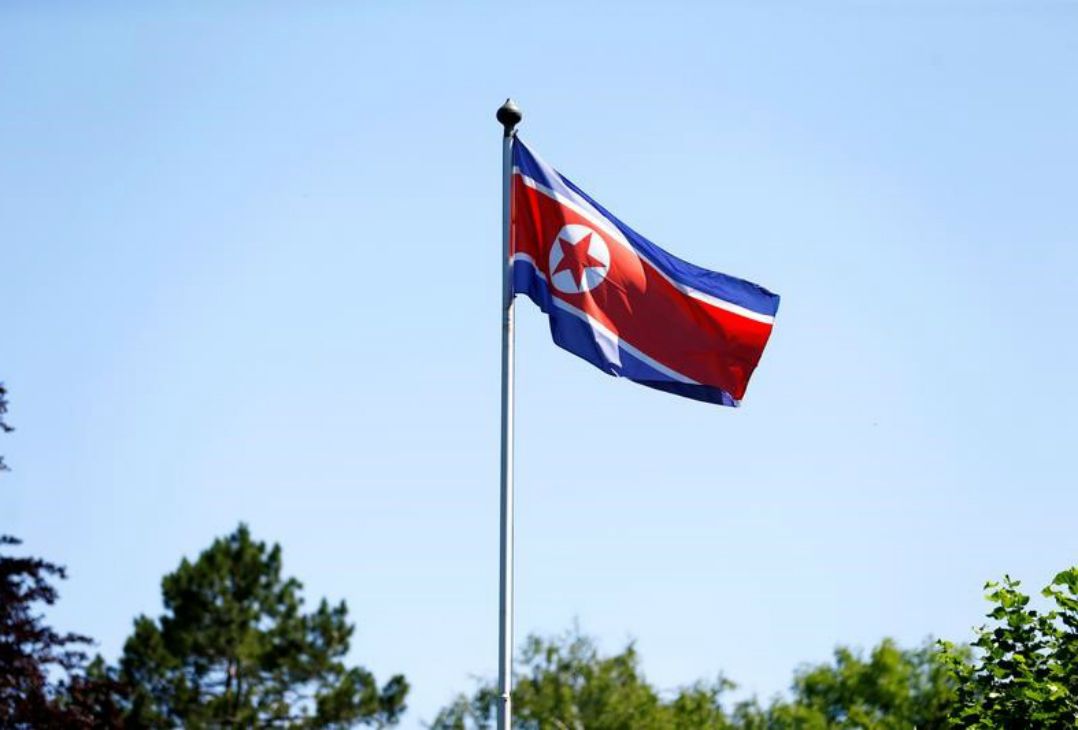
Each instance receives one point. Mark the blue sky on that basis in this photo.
(249, 263)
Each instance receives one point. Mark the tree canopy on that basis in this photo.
(889, 689)
(1020, 672)
(234, 648)
(42, 679)
(1025, 667)
(567, 684)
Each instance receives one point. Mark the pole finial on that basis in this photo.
(509, 115)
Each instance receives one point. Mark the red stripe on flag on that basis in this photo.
(710, 345)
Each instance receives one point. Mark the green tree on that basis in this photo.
(234, 648)
(1025, 670)
(891, 689)
(565, 684)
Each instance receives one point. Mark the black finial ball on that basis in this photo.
(509, 115)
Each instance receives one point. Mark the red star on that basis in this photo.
(576, 260)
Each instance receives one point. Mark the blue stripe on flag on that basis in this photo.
(572, 333)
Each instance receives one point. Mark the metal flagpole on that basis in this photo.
(509, 116)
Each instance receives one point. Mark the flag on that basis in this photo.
(622, 303)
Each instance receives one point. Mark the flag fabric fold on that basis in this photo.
(622, 303)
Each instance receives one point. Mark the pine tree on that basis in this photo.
(234, 648)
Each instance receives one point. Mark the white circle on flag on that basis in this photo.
(579, 259)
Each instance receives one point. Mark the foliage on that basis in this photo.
(565, 684)
(42, 683)
(893, 689)
(235, 649)
(1026, 668)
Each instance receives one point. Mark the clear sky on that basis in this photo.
(249, 270)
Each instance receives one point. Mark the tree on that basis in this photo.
(565, 684)
(1025, 670)
(235, 649)
(893, 689)
(42, 682)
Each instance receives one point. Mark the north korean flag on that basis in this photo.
(625, 305)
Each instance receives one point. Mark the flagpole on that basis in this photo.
(509, 116)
